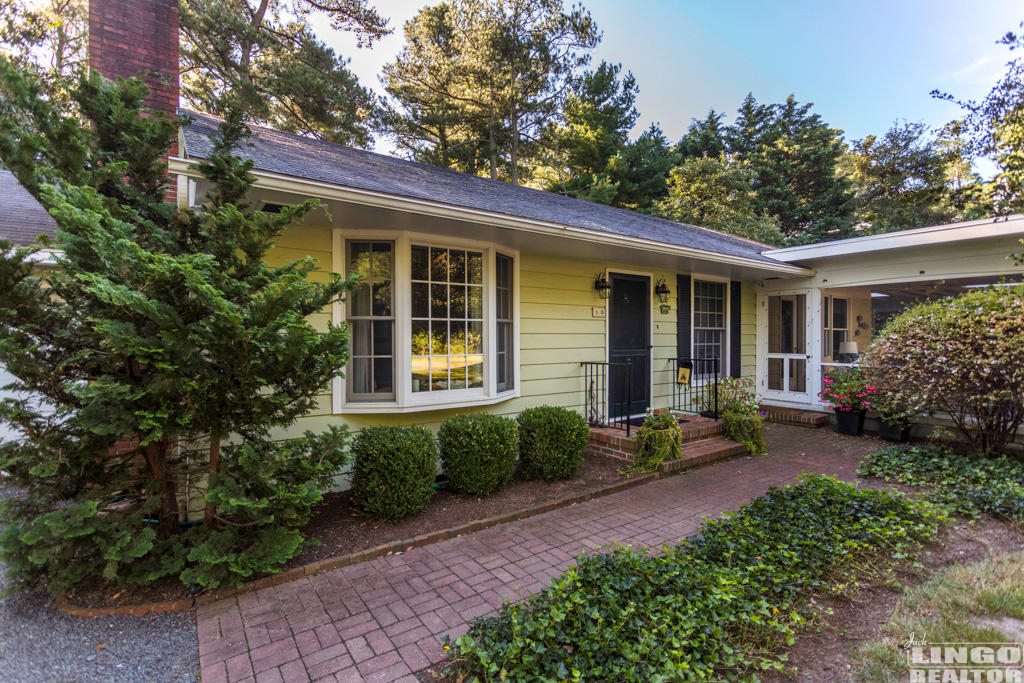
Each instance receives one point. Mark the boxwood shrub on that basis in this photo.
(712, 608)
(551, 442)
(394, 470)
(478, 452)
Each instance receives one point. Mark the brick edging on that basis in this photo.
(64, 605)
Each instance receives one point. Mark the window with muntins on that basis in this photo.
(709, 322)
(371, 319)
(504, 349)
(447, 315)
(837, 325)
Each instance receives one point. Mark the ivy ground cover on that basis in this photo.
(717, 606)
(968, 484)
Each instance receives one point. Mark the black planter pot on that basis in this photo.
(850, 422)
(894, 432)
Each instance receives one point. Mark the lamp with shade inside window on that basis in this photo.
(848, 352)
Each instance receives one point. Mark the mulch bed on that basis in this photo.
(341, 528)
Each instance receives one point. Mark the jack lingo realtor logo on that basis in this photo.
(964, 662)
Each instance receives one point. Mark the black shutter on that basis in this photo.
(734, 328)
(683, 331)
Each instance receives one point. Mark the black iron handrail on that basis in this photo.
(601, 410)
(695, 390)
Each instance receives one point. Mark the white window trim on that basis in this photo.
(405, 400)
(827, 330)
(723, 369)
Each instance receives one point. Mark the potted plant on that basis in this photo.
(658, 439)
(895, 418)
(850, 396)
(741, 413)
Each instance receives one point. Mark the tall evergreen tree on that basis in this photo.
(435, 112)
(158, 333)
(47, 38)
(597, 116)
(794, 157)
(267, 58)
(713, 193)
(704, 138)
(505, 77)
(899, 179)
(996, 125)
(640, 169)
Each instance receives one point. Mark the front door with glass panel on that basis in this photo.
(787, 345)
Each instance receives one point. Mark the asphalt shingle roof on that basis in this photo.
(22, 218)
(300, 157)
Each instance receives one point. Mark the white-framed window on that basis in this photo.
(836, 317)
(505, 357)
(710, 311)
(451, 308)
(371, 370)
(447, 292)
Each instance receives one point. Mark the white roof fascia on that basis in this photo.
(936, 234)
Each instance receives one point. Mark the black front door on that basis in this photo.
(629, 347)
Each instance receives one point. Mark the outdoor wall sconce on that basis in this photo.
(602, 286)
(662, 291)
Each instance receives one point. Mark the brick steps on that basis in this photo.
(703, 452)
(795, 416)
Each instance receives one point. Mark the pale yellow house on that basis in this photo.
(478, 295)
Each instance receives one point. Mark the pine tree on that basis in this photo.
(794, 157)
(598, 114)
(498, 70)
(899, 179)
(704, 138)
(713, 193)
(267, 57)
(159, 333)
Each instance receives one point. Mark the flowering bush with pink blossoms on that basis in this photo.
(848, 391)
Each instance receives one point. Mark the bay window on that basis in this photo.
(432, 324)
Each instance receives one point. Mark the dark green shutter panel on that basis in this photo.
(734, 328)
(683, 331)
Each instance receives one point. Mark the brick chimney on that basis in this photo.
(137, 38)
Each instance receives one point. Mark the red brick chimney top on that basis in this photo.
(137, 38)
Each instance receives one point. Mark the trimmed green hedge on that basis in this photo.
(394, 470)
(711, 608)
(478, 452)
(967, 484)
(551, 442)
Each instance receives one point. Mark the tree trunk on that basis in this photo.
(492, 148)
(154, 454)
(514, 121)
(209, 514)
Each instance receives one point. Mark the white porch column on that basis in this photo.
(814, 332)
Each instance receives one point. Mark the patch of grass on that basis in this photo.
(960, 604)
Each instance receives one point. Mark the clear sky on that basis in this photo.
(864, 63)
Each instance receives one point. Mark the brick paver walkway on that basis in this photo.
(382, 620)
